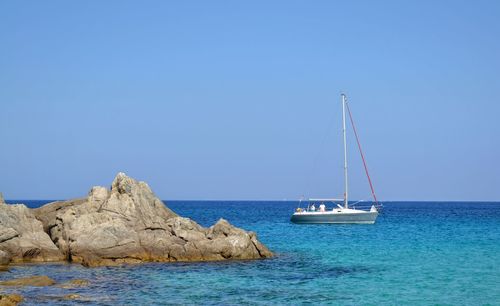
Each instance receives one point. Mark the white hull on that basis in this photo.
(342, 214)
(335, 217)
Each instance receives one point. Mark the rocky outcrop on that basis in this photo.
(129, 224)
(71, 296)
(10, 299)
(22, 237)
(36, 281)
(74, 283)
(41, 281)
(4, 258)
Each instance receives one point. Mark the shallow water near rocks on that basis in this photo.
(416, 253)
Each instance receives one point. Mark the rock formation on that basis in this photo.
(129, 224)
(74, 283)
(39, 281)
(22, 238)
(4, 258)
(10, 299)
(36, 281)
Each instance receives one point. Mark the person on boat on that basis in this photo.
(313, 208)
(322, 207)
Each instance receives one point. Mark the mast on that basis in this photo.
(345, 151)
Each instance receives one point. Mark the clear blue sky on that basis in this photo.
(240, 100)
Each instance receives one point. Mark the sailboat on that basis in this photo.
(340, 213)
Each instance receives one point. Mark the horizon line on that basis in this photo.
(264, 200)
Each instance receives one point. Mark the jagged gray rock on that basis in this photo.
(22, 238)
(129, 224)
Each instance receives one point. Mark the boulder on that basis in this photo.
(71, 296)
(5, 258)
(129, 224)
(36, 281)
(22, 236)
(10, 299)
(74, 283)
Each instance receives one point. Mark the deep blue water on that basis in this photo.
(439, 253)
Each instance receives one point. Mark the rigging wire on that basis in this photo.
(316, 158)
(362, 155)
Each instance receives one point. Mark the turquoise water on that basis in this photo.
(445, 253)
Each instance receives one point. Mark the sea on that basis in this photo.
(417, 253)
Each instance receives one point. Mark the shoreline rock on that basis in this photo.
(40, 281)
(10, 299)
(22, 237)
(36, 281)
(74, 283)
(5, 259)
(124, 224)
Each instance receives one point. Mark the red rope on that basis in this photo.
(362, 155)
